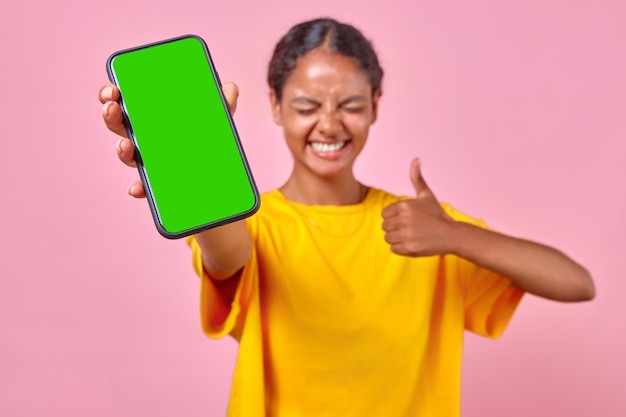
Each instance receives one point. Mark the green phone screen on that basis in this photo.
(189, 155)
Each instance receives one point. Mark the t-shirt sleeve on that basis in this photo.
(490, 299)
(218, 317)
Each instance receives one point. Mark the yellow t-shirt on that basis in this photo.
(330, 322)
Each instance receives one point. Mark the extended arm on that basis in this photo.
(420, 227)
(225, 249)
(533, 267)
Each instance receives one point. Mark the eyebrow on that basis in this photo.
(352, 99)
(308, 100)
(304, 99)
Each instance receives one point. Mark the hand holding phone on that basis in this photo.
(187, 150)
(112, 115)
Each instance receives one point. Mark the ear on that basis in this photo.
(375, 99)
(276, 110)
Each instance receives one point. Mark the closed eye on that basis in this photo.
(354, 110)
(305, 105)
(354, 104)
(306, 112)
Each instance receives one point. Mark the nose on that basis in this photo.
(329, 123)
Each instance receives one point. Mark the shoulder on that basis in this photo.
(274, 206)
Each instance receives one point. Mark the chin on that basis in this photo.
(330, 169)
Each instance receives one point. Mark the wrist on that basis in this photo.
(460, 238)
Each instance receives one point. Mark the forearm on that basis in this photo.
(535, 268)
(225, 249)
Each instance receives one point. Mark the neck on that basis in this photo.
(337, 191)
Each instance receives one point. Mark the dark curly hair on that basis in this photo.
(338, 37)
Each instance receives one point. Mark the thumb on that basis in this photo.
(417, 180)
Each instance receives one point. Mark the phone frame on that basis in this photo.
(140, 166)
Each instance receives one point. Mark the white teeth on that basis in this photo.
(327, 147)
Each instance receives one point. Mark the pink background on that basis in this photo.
(516, 110)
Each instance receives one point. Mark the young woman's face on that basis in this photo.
(326, 111)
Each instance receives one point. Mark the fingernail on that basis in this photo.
(119, 146)
(107, 93)
(105, 108)
(129, 189)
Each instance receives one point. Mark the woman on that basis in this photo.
(345, 299)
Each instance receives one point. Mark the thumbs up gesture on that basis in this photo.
(417, 226)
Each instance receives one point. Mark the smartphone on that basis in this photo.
(188, 153)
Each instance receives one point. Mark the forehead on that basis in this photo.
(323, 70)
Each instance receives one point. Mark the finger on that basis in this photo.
(108, 92)
(231, 93)
(126, 152)
(417, 180)
(392, 238)
(390, 224)
(391, 210)
(112, 115)
(399, 249)
(399, 208)
(137, 190)
(111, 110)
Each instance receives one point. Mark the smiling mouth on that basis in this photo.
(328, 147)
